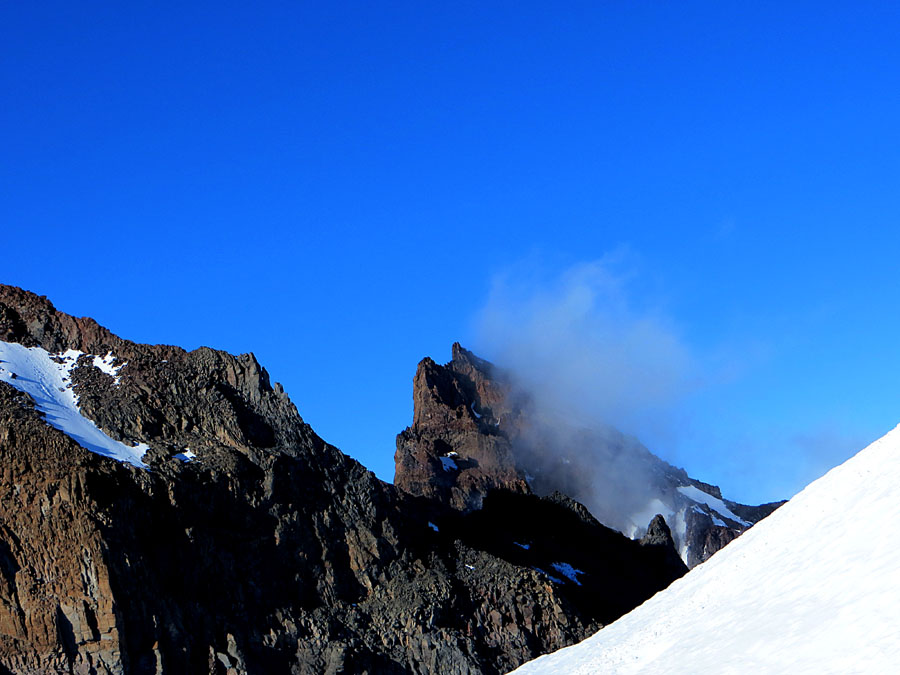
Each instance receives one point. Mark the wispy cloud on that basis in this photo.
(590, 358)
(592, 351)
(582, 346)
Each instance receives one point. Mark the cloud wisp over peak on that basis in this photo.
(582, 348)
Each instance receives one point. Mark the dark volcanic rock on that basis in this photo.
(557, 536)
(271, 551)
(659, 539)
(658, 533)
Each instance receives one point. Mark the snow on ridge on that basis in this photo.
(47, 379)
(716, 521)
(809, 589)
(697, 495)
(187, 456)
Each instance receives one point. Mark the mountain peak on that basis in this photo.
(658, 533)
(474, 431)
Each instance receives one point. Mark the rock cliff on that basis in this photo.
(474, 430)
(240, 542)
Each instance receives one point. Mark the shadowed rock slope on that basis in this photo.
(249, 545)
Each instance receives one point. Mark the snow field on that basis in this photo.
(813, 588)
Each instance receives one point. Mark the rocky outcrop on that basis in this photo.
(658, 538)
(455, 450)
(250, 545)
(474, 431)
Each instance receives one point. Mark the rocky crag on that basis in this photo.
(237, 541)
(474, 431)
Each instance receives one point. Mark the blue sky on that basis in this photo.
(339, 187)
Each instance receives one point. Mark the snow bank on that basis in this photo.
(810, 589)
(47, 379)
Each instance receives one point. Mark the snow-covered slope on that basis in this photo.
(47, 379)
(813, 588)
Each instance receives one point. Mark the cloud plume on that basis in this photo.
(581, 347)
(591, 362)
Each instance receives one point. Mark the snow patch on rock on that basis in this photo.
(567, 571)
(105, 364)
(47, 379)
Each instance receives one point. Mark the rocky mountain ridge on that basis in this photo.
(475, 430)
(241, 542)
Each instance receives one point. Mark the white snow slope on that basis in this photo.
(34, 371)
(813, 588)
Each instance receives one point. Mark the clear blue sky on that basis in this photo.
(335, 186)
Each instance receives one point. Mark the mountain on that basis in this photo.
(475, 430)
(166, 511)
(811, 589)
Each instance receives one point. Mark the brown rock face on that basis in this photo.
(457, 449)
(58, 606)
(270, 551)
